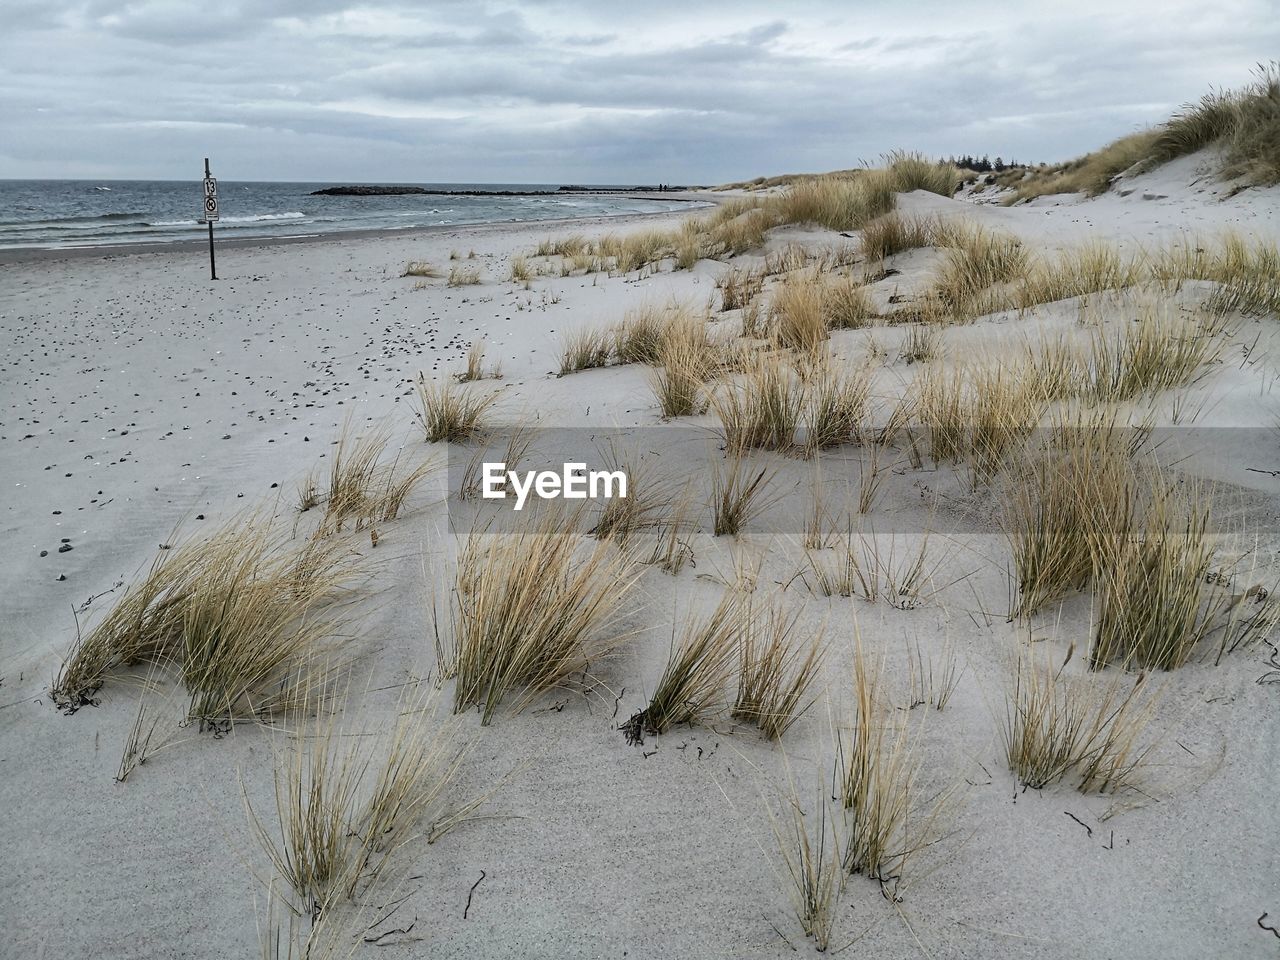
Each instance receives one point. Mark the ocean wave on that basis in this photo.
(64, 221)
(256, 218)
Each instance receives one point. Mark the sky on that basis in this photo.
(567, 92)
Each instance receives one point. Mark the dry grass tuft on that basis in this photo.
(340, 814)
(1076, 273)
(362, 489)
(464, 276)
(1153, 600)
(799, 321)
(909, 171)
(474, 369)
(570, 246)
(739, 287)
(846, 305)
(977, 261)
(736, 495)
(420, 268)
(811, 856)
(528, 611)
(776, 667)
(1057, 726)
(693, 684)
(977, 413)
(521, 271)
(838, 401)
(1159, 351)
(687, 362)
(1091, 174)
(1248, 272)
(585, 349)
(763, 408)
(448, 414)
(1062, 502)
(243, 615)
(878, 764)
(864, 568)
(837, 203)
(896, 233)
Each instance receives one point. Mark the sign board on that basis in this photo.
(210, 198)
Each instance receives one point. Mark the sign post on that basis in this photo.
(210, 213)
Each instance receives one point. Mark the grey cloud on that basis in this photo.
(560, 90)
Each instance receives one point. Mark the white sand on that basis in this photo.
(137, 395)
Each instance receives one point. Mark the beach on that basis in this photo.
(146, 405)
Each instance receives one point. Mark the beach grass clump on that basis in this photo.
(243, 616)
(763, 407)
(865, 567)
(645, 507)
(846, 304)
(1079, 272)
(921, 343)
(1154, 604)
(1160, 350)
(474, 369)
(837, 203)
(737, 495)
(1004, 407)
(255, 623)
(896, 232)
(521, 271)
(977, 260)
(1246, 122)
(345, 801)
(421, 268)
(640, 335)
(686, 362)
(699, 667)
(976, 413)
(810, 848)
(878, 767)
(361, 488)
(570, 246)
(799, 321)
(447, 413)
(910, 171)
(740, 233)
(530, 609)
(585, 349)
(777, 665)
(1247, 272)
(1088, 731)
(738, 287)
(839, 399)
(463, 275)
(636, 250)
(1065, 499)
(143, 627)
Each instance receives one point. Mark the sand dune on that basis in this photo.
(145, 405)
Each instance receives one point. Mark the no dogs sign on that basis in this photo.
(210, 198)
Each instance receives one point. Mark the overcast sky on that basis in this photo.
(546, 91)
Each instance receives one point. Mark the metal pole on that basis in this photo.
(213, 268)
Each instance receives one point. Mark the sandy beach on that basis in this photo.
(145, 406)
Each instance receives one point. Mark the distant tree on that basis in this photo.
(998, 166)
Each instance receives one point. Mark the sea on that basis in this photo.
(60, 214)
